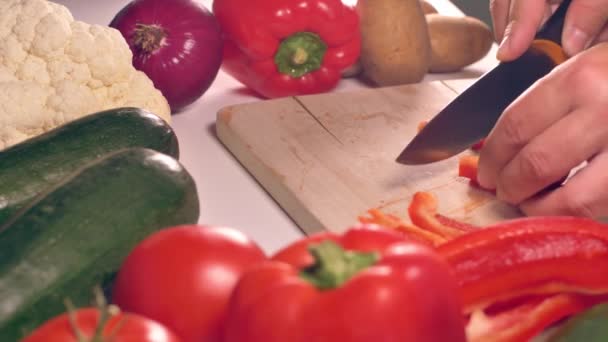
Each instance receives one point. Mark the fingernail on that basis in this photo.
(576, 40)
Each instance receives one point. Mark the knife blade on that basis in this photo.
(472, 114)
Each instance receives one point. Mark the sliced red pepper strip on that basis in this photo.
(423, 213)
(478, 145)
(450, 222)
(408, 229)
(527, 320)
(467, 167)
(533, 255)
(421, 125)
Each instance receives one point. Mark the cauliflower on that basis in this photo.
(54, 69)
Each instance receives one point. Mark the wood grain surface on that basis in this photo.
(328, 158)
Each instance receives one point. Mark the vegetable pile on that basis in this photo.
(95, 203)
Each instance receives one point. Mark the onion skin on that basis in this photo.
(185, 55)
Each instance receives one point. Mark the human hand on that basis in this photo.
(553, 127)
(516, 22)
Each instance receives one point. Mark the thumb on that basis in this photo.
(584, 21)
(524, 19)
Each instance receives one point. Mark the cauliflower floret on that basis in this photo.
(54, 69)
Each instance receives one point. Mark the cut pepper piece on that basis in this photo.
(422, 211)
(409, 230)
(467, 167)
(478, 145)
(533, 255)
(527, 320)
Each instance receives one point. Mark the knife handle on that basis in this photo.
(552, 30)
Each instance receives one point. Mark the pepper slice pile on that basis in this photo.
(519, 276)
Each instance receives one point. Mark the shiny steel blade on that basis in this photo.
(473, 114)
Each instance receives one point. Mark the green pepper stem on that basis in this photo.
(299, 54)
(334, 265)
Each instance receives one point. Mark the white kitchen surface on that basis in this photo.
(229, 196)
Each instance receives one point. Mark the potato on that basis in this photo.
(427, 8)
(395, 44)
(457, 42)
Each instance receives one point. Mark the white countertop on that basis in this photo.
(229, 195)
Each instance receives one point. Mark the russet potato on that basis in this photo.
(457, 42)
(395, 44)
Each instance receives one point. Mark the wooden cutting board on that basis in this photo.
(326, 159)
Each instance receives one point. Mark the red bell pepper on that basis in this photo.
(365, 285)
(288, 47)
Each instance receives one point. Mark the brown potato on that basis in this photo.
(457, 42)
(395, 44)
(427, 8)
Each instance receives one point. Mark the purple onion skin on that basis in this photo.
(189, 57)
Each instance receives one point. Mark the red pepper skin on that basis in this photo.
(533, 255)
(423, 213)
(253, 31)
(399, 298)
(527, 320)
(478, 145)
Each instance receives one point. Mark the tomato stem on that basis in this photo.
(300, 54)
(334, 265)
(72, 319)
(148, 38)
(106, 312)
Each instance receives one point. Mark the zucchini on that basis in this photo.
(74, 236)
(26, 169)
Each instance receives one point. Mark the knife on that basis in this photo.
(472, 115)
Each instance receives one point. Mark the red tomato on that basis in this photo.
(133, 328)
(407, 293)
(183, 277)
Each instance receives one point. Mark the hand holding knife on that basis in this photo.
(473, 114)
(552, 126)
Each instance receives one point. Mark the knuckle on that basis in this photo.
(513, 136)
(586, 77)
(579, 205)
(534, 165)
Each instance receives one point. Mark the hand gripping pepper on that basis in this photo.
(288, 47)
(365, 285)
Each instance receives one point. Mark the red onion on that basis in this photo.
(177, 43)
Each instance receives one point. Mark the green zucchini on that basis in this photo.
(75, 235)
(26, 169)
